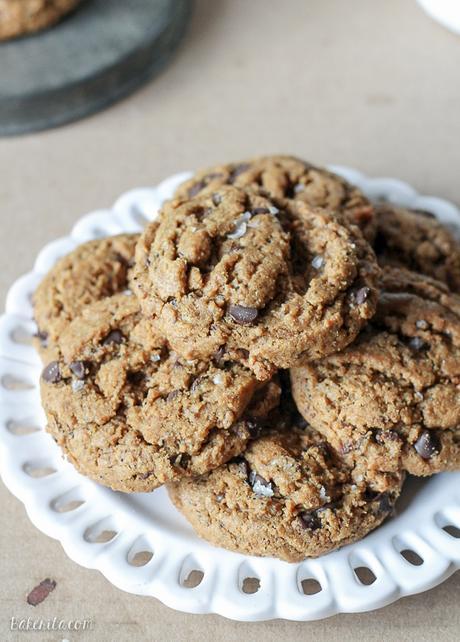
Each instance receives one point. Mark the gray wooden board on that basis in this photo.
(98, 54)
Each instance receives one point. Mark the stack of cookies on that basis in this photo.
(275, 348)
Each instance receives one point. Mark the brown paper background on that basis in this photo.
(371, 84)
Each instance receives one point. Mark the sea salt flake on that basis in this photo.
(128, 292)
(241, 226)
(262, 489)
(317, 262)
(323, 494)
(77, 385)
(273, 210)
(218, 379)
(421, 324)
(155, 357)
(299, 188)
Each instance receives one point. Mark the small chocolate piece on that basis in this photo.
(41, 592)
(243, 466)
(428, 444)
(42, 336)
(424, 213)
(309, 520)
(172, 395)
(243, 315)
(52, 373)
(255, 429)
(216, 199)
(115, 336)
(196, 188)
(382, 436)
(361, 295)
(260, 210)
(236, 171)
(78, 368)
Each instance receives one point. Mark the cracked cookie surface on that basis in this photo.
(93, 271)
(229, 271)
(286, 179)
(131, 414)
(289, 496)
(393, 396)
(19, 17)
(416, 240)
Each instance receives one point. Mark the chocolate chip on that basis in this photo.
(78, 368)
(428, 444)
(195, 384)
(146, 475)
(42, 336)
(260, 210)
(243, 315)
(135, 378)
(236, 171)
(346, 448)
(385, 503)
(219, 354)
(423, 213)
(255, 429)
(196, 188)
(172, 395)
(361, 295)
(309, 520)
(382, 436)
(52, 372)
(41, 592)
(383, 498)
(115, 336)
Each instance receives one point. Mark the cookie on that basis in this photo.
(20, 17)
(131, 414)
(416, 240)
(229, 271)
(393, 397)
(284, 179)
(94, 270)
(289, 496)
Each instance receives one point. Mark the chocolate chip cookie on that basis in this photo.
(229, 271)
(393, 396)
(285, 179)
(20, 17)
(94, 270)
(132, 414)
(288, 496)
(415, 239)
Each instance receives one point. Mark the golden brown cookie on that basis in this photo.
(416, 240)
(393, 396)
(93, 270)
(285, 179)
(20, 17)
(131, 414)
(229, 271)
(288, 496)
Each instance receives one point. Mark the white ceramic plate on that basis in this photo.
(446, 12)
(142, 544)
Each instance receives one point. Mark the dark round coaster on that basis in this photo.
(101, 52)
